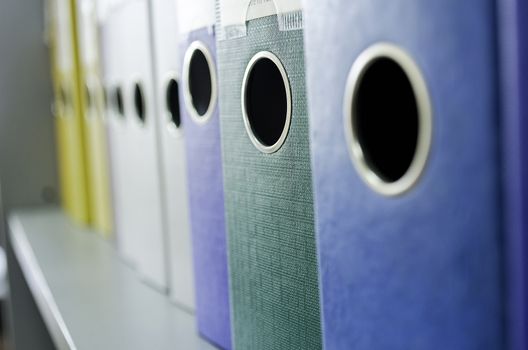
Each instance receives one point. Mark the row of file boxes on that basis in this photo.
(337, 174)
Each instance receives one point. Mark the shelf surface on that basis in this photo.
(88, 298)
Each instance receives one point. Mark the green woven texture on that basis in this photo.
(269, 205)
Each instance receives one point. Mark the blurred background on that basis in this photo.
(27, 164)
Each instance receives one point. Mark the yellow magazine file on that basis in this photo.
(68, 110)
(92, 100)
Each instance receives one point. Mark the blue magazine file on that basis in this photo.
(403, 105)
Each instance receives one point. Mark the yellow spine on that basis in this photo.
(69, 126)
(97, 156)
(92, 103)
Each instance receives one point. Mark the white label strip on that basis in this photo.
(232, 15)
(259, 9)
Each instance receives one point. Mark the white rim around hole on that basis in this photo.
(254, 139)
(423, 102)
(187, 96)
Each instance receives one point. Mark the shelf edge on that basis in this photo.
(38, 286)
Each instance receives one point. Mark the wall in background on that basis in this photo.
(28, 173)
(27, 153)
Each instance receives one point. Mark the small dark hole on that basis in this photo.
(266, 101)
(200, 83)
(104, 93)
(139, 102)
(173, 102)
(89, 97)
(118, 101)
(386, 119)
(64, 97)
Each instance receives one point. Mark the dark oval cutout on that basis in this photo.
(139, 102)
(200, 82)
(266, 101)
(104, 93)
(385, 119)
(89, 97)
(118, 102)
(64, 98)
(173, 102)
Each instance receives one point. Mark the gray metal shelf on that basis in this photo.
(88, 298)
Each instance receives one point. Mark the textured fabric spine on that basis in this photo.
(269, 211)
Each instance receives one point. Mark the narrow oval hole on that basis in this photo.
(385, 119)
(64, 98)
(266, 102)
(118, 101)
(200, 82)
(173, 102)
(104, 93)
(89, 97)
(139, 102)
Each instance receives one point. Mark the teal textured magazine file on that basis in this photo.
(268, 195)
